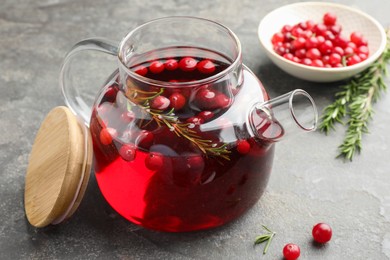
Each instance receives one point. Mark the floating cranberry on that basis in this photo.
(111, 93)
(171, 64)
(291, 251)
(154, 161)
(144, 139)
(187, 64)
(222, 101)
(195, 120)
(127, 152)
(156, 67)
(205, 95)
(206, 115)
(195, 162)
(206, 66)
(159, 102)
(177, 101)
(106, 135)
(243, 147)
(322, 233)
(127, 116)
(141, 70)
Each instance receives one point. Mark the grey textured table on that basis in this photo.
(308, 185)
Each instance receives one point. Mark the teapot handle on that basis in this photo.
(71, 94)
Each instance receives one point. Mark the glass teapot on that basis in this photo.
(183, 133)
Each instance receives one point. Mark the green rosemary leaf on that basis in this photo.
(353, 104)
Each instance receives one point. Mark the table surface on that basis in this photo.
(308, 185)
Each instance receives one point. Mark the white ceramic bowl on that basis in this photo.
(350, 19)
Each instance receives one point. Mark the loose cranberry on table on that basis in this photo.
(291, 251)
(319, 45)
(322, 233)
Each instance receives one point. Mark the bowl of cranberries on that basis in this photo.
(321, 42)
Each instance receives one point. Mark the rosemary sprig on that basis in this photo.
(181, 129)
(267, 237)
(355, 102)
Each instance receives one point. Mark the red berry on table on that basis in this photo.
(106, 135)
(159, 102)
(329, 18)
(291, 251)
(127, 152)
(177, 101)
(243, 147)
(156, 67)
(187, 64)
(206, 66)
(171, 64)
(322, 233)
(141, 70)
(154, 161)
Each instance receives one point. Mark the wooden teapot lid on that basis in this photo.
(58, 170)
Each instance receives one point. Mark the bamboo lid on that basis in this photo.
(58, 170)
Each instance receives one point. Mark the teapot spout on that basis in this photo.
(286, 115)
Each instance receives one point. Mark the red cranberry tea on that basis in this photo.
(178, 157)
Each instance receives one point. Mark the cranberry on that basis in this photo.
(334, 59)
(243, 147)
(205, 98)
(326, 47)
(363, 49)
(206, 115)
(329, 19)
(195, 162)
(156, 67)
(159, 102)
(106, 135)
(307, 62)
(318, 63)
(299, 43)
(313, 53)
(291, 251)
(144, 139)
(341, 41)
(222, 101)
(111, 93)
(335, 29)
(141, 70)
(322, 233)
(127, 152)
(288, 56)
(338, 50)
(206, 66)
(154, 161)
(177, 101)
(320, 29)
(277, 37)
(354, 59)
(286, 28)
(312, 43)
(127, 116)
(358, 39)
(195, 120)
(187, 64)
(348, 51)
(171, 64)
(301, 53)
